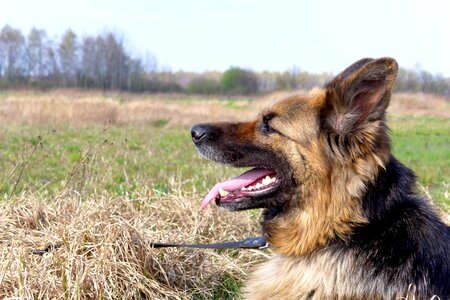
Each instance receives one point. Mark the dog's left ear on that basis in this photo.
(359, 95)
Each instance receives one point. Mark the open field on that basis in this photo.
(105, 174)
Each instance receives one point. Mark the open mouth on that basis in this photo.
(255, 183)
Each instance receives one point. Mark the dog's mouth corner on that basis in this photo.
(245, 191)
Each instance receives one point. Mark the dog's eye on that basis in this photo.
(265, 125)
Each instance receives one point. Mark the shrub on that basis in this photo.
(204, 86)
(239, 81)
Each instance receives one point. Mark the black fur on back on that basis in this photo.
(405, 240)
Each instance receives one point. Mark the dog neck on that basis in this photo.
(329, 210)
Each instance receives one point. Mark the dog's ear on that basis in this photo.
(359, 95)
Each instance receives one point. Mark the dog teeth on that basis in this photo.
(222, 192)
(267, 180)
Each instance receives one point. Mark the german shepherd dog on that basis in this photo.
(340, 211)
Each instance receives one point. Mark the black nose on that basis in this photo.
(205, 132)
(198, 132)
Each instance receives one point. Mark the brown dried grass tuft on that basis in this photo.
(105, 250)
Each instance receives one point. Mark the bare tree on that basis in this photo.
(36, 53)
(117, 61)
(12, 45)
(105, 63)
(68, 57)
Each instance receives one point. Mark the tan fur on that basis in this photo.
(322, 275)
(331, 206)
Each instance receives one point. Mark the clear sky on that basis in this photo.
(198, 35)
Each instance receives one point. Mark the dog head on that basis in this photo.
(310, 154)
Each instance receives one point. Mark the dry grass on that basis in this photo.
(80, 107)
(105, 251)
(420, 105)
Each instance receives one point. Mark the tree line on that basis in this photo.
(102, 61)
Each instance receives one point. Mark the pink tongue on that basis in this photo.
(235, 184)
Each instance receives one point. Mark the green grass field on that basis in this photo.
(120, 160)
(422, 144)
(127, 160)
(112, 189)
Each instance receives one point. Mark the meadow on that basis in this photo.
(100, 175)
